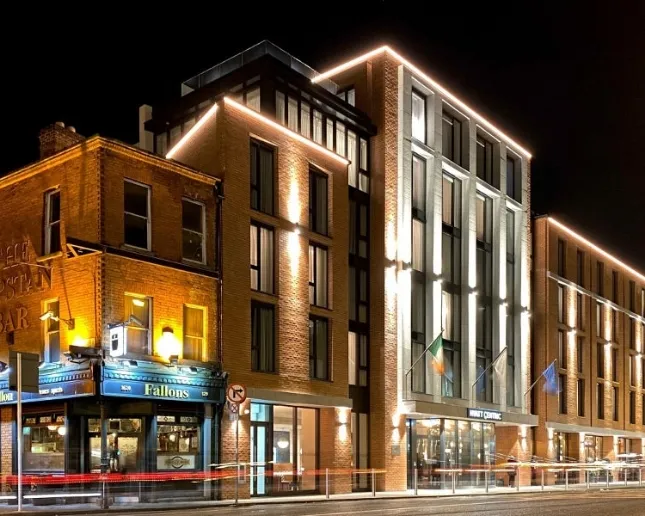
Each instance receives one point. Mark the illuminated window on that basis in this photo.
(305, 120)
(348, 95)
(193, 234)
(561, 303)
(262, 258)
(136, 204)
(194, 332)
(318, 127)
(52, 332)
(352, 156)
(280, 108)
(418, 213)
(292, 114)
(137, 314)
(52, 222)
(418, 117)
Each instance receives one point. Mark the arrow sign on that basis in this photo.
(236, 393)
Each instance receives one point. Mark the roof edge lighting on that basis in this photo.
(284, 130)
(593, 246)
(433, 84)
(192, 131)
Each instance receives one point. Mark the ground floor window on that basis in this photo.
(360, 450)
(284, 449)
(178, 442)
(436, 444)
(44, 443)
(124, 444)
(593, 448)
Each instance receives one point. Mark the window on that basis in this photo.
(357, 354)
(580, 354)
(318, 127)
(486, 169)
(192, 223)
(418, 333)
(600, 401)
(451, 323)
(513, 178)
(262, 337)
(43, 443)
(360, 448)
(318, 275)
(418, 116)
(581, 397)
(136, 205)
(340, 139)
(418, 213)
(600, 360)
(252, 98)
(194, 332)
(262, 160)
(600, 278)
(580, 268)
(352, 157)
(632, 407)
(632, 333)
(562, 258)
(292, 114)
(600, 319)
(358, 227)
(305, 120)
(561, 302)
(614, 364)
(451, 137)
(262, 258)
(52, 222)
(614, 325)
(348, 95)
(329, 139)
(632, 295)
(137, 311)
(358, 295)
(363, 174)
(614, 286)
(615, 402)
(562, 395)
(52, 332)
(280, 108)
(580, 310)
(562, 350)
(318, 348)
(632, 370)
(318, 201)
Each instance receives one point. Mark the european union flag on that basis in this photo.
(551, 384)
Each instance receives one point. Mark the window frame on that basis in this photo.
(256, 306)
(203, 338)
(148, 219)
(148, 329)
(424, 103)
(315, 225)
(313, 273)
(456, 125)
(47, 332)
(487, 148)
(313, 348)
(258, 258)
(203, 233)
(49, 224)
(260, 145)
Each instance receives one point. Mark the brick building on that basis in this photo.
(106, 246)
(588, 317)
(427, 226)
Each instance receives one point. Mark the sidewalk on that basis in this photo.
(422, 493)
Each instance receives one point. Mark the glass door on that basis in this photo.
(260, 458)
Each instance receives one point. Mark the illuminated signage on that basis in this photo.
(165, 391)
(141, 389)
(52, 391)
(484, 414)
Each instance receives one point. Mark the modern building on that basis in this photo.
(383, 212)
(588, 317)
(109, 274)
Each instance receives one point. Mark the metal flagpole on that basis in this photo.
(417, 361)
(538, 378)
(472, 389)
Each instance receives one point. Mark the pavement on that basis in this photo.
(554, 500)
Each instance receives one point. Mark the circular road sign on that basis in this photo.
(236, 393)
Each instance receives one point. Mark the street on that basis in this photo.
(600, 503)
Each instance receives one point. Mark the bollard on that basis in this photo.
(566, 479)
(373, 483)
(486, 479)
(453, 482)
(416, 481)
(607, 478)
(625, 475)
(327, 483)
(587, 478)
(542, 479)
(517, 477)
(640, 477)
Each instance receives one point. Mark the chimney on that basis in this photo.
(56, 137)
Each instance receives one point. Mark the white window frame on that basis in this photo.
(204, 329)
(48, 225)
(136, 326)
(47, 333)
(148, 218)
(203, 233)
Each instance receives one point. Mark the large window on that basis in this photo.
(615, 402)
(614, 286)
(418, 116)
(357, 353)
(451, 322)
(44, 443)
(262, 177)
(52, 332)
(319, 348)
(137, 313)
(600, 360)
(318, 201)
(318, 275)
(600, 278)
(194, 332)
(600, 401)
(262, 337)
(562, 258)
(358, 300)
(632, 407)
(418, 333)
(252, 98)
(561, 303)
(136, 206)
(486, 168)
(262, 258)
(418, 213)
(193, 234)
(513, 178)
(52, 222)
(484, 317)
(581, 397)
(580, 268)
(360, 448)
(178, 435)
(451, 137)
(562, 350)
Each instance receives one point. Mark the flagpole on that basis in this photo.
(472, 389)
(538, 379)
(417, 361)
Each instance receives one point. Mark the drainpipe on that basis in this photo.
(219, 198)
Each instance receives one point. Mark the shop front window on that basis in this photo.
(124, 445)
(178, 442)
(44, 443)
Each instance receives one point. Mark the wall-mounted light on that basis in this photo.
(283, 443)
(296, 230)
(572, 332)
(168, 345)
(472, 291)
(50, 315)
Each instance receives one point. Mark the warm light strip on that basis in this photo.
(596, 248)
(192, 131)
(284, 130)
(434, 84)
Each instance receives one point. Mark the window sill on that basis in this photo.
(49, 257)
(140, 250)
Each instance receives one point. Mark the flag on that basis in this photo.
(437, 356)
(551, 384)
(499, 366)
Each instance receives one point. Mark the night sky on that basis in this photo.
(568, 83)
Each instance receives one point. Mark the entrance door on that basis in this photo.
(260, 458)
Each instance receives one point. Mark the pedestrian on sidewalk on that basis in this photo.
(511, 475)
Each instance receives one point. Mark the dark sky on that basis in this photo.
(565, 79)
